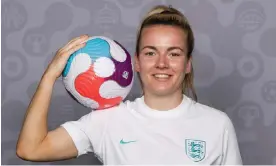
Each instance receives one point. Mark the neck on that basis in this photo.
(163, 103)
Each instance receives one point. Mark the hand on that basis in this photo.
(59, 61)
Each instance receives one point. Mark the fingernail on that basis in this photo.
(83, 42)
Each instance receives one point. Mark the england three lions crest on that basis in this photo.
(195, 149)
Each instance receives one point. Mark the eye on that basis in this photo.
(174, 54)
(150, 53)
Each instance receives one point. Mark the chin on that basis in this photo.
(162, 92)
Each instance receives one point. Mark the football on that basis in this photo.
(99, 75)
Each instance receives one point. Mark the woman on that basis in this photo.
(164, 126)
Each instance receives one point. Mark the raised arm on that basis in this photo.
(35, 142)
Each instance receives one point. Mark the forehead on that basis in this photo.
(163, 35)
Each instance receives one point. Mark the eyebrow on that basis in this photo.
(169, 49)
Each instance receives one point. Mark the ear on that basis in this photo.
(189, 66)
(136, 63)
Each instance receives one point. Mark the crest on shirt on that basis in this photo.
(195, 149)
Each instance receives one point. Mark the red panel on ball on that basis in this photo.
(88, 84)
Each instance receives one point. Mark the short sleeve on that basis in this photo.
(231, 152)
(87, 132)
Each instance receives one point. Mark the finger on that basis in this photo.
(77, 38)
(69, 46)
(77, 42)
(74, 49)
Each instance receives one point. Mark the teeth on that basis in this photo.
(161, 75)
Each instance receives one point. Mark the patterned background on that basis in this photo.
(234, 61)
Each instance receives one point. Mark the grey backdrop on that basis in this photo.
(234, 61)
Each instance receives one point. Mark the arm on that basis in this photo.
(35, 142)
(231, 152)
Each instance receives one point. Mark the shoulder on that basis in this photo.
(119, 109)
(210, 114)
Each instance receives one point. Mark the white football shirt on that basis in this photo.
(133, 133)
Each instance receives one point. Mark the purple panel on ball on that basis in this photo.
(123, 75)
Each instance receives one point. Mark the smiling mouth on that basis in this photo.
(162, 76)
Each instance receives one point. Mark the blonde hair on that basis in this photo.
(167, 15)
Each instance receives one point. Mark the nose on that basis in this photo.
(162, 62)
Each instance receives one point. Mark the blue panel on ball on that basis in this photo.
(95, 48)
(68, 65)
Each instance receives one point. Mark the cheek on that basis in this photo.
(178, 66)
(146, 64)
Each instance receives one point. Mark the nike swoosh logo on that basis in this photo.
(126, 142)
